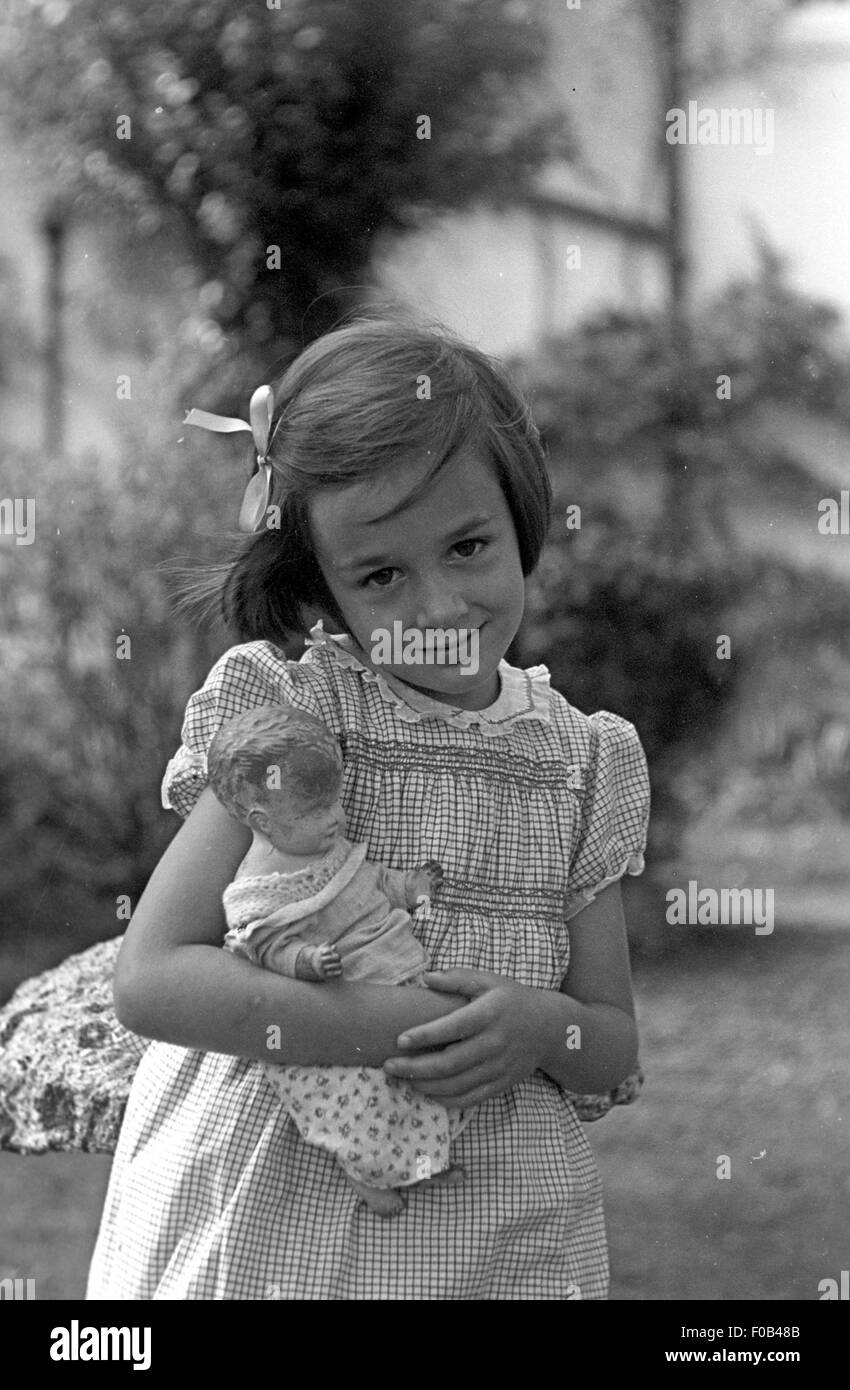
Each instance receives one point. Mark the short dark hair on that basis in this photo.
(249, 746)
(351, 405)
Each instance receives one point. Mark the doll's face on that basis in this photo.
(294, 830)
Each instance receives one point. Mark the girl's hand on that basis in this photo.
(498, 1039)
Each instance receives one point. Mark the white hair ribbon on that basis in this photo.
(253, 510)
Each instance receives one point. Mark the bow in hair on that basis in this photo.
(254, 503)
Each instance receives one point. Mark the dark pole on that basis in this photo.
(54, 226)
(674, 522)
(671, 19)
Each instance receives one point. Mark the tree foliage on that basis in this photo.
(247, 127)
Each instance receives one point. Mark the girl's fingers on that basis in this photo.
(476, 1096)
(479, 1096)
(454, 1027)
(462, 981)
(435, 1066)
(457, 1090)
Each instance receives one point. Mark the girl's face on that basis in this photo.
(448, 561)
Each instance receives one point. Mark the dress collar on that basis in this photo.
(523, 694)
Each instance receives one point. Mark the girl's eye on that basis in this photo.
(471, 540)
(380, 578)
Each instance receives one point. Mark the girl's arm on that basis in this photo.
(173, 981)
(584, 1036)
(595, 999)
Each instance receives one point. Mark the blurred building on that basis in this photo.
(506, 280)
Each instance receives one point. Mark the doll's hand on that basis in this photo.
(317, 963)
(498, 1039)
(425, 882)
(328, 962)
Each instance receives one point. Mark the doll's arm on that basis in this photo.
(405, 888)
(320, 962)
(175, 983)
(300, 960)
(424, 882)
(284, 950)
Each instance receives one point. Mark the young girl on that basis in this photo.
(399, 480)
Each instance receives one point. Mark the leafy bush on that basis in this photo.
(90, 718)
(665, 453)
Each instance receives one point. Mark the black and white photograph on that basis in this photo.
(425, 629)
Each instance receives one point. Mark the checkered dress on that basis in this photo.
(530, 807)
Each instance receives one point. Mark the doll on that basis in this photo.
(307, 903)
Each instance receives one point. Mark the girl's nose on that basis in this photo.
(441, 607)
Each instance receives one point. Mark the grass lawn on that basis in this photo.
(745, 1043)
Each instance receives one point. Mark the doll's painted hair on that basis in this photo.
(269, 749)
(362, 399)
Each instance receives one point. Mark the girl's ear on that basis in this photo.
(258, 820)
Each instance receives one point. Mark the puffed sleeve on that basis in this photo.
(252, 674)
(615, 811)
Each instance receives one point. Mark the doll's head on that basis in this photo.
(279, 771)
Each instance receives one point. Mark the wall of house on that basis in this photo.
(504, 280)
(797, 196)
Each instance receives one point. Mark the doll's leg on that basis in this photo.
(448, 1176)
(383, 1134)
(384, 1201)
(389, 1201)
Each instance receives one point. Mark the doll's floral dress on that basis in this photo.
(530, 807)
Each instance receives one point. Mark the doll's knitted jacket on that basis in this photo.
(342, 899)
